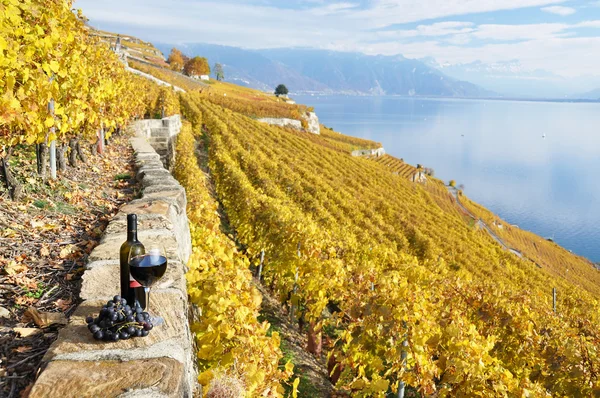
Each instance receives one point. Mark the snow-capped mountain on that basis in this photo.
(509, 78)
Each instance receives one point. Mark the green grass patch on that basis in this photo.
(122, 176)
(36, 294)
(42, 204)
(65, 208)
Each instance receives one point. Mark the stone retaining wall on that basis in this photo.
(161, 364)
(160, 134)
(369, 152)
(311, 118)
(282, 122)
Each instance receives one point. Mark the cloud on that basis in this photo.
(519, 32)
(373, 27)
(587, 24)
(559, 10)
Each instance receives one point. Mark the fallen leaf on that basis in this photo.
(64, 253)
(26, 332)
(4, 313)
(36, 223)
(23, 349)
(44, 251)
(44, 319)
(14, 268)
(63, 304)
(25, 392)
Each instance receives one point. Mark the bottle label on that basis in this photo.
(133, 283)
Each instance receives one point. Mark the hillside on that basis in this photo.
(352, 247)
(392, 282)
(66, 167)
(307, 70)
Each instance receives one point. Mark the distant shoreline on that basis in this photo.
(519, 99)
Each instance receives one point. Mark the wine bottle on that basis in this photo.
(131, 290)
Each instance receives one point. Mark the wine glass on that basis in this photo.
(147, 269)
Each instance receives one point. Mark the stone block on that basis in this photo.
(163, 132)
(152, 180)
(118, 226)
(166, 192)
(159, 377)
(75, 342)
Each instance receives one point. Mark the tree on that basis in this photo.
(219, 72)
(281, 90)
(176, 60)
(196, 66)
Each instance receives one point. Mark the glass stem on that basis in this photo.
(147, 292)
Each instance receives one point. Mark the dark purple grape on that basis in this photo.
(99, 335)
(117, 298)
(114, 317)
(139, 318)
(138, 332)
(146, 315)
(121, 318)
(96, 320)
(147, 326)
(124, 335)
(93, 328)
(114, 337)
(110, 304)
(89, 320)
(145, 333)
(123, 302)
(131, 330)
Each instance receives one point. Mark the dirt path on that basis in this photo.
(314, 381)
(454, 192)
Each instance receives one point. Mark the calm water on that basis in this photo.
(495, 148)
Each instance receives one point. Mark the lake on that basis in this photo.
(535, 164)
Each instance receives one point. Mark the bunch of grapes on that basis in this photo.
(117, 320)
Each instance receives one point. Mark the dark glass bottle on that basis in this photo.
(131, 290)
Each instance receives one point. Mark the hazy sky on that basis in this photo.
(561, 36)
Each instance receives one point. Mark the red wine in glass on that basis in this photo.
(147, 269)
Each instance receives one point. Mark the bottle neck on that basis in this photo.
(132, 235)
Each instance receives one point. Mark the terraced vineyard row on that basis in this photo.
(397, 166)
(392, 266)
(547, 254)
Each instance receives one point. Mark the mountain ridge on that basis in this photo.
(322, 71)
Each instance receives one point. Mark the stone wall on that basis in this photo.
(313, 123)
(369, 152)
(160, 133)
(311, 119)
(161, 364)
(282, 122)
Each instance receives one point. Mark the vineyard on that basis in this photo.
(393, 286)
(397, 166)
(61, 87)
(65, 168)
(547, 254)
(239, 99)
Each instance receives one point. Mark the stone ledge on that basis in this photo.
(162, 376)
(76, 341)
(161, 364)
